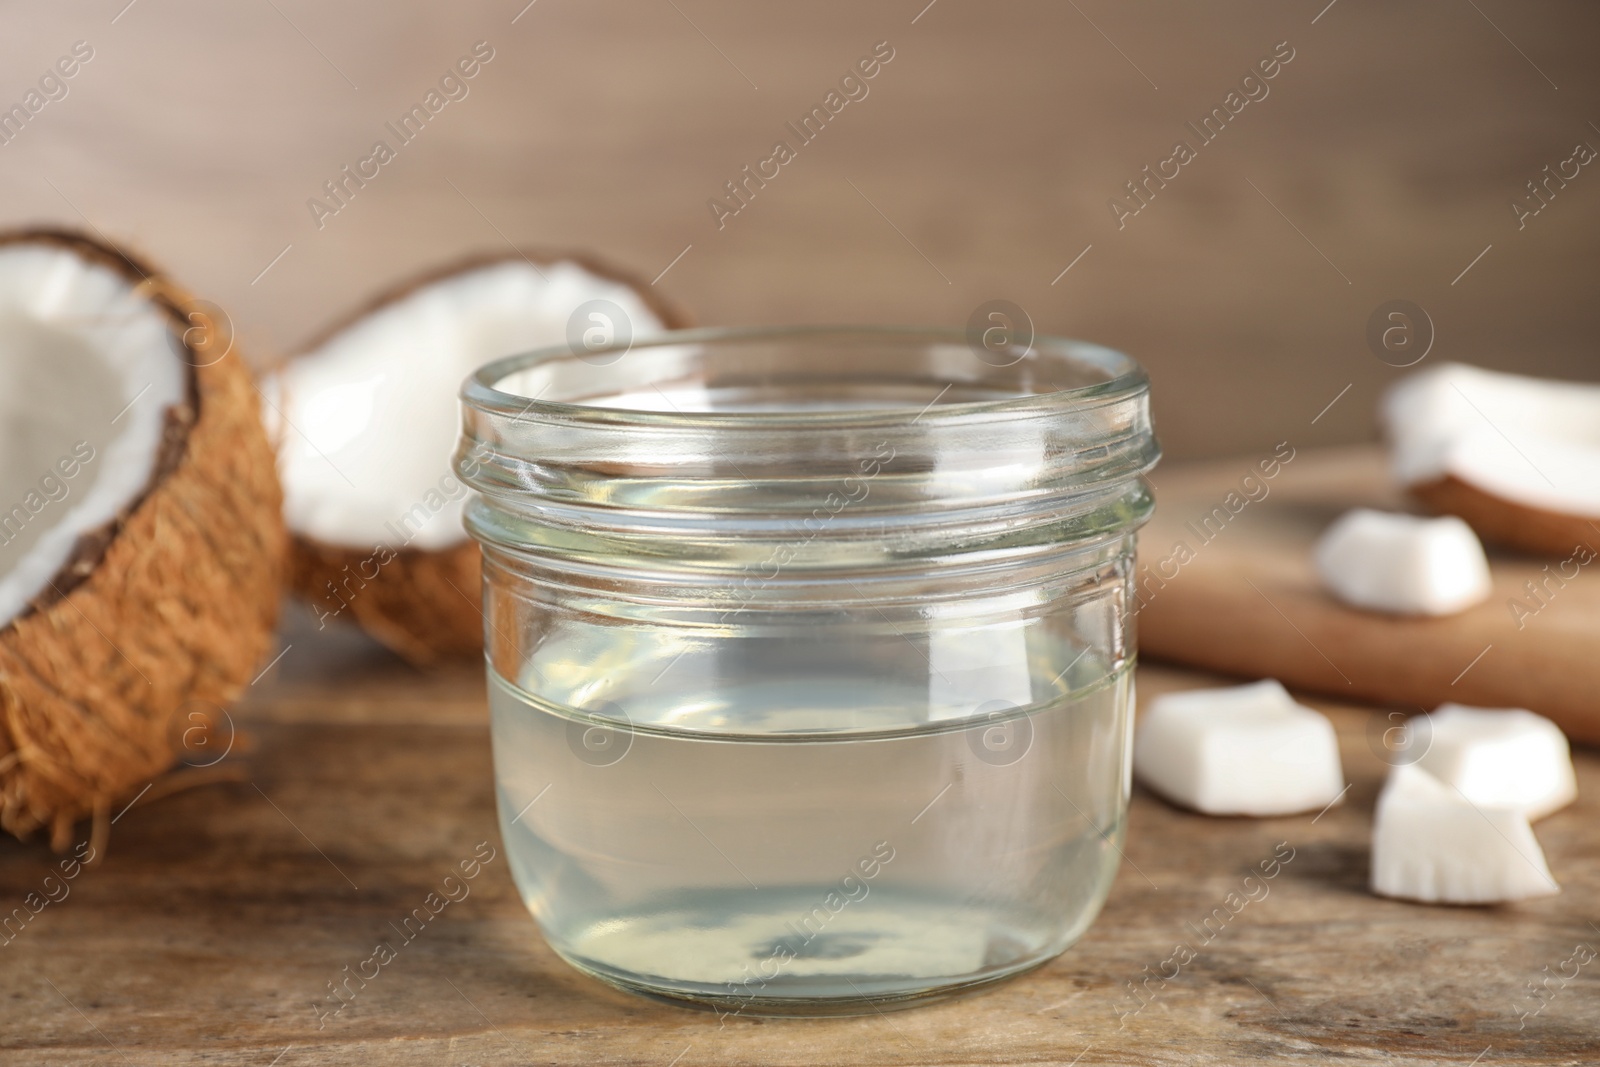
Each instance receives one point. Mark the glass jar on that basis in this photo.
(810, 654)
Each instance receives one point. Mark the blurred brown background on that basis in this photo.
(1382, 162)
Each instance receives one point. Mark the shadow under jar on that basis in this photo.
(810, 654)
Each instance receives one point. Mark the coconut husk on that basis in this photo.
(427, 606)
(1504, 522)
(172, 606)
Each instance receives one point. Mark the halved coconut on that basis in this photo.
(141, 546)
(367, 420)
(1517, 457)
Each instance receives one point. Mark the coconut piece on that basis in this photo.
(367, 422)
(1499, 757)
(1430, 843)
(141, 545)
(1516, 457)
(1245, 750)
(1403, 564)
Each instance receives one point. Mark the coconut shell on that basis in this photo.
(425, 605)
(1507, 523)
(169, 610)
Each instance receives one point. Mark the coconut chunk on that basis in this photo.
(1430, 843)
(1517, 457)
(1500, 757)
(1403, 564)
(1245, 750)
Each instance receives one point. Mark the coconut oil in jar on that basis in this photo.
(804, 702)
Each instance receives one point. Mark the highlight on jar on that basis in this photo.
(810, 654)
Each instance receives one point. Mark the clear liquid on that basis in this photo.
(811, 873)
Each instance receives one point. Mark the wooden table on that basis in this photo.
(219, 915)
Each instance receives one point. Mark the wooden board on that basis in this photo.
(218, 917)
(1239, 595)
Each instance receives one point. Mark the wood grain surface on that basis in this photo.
(218, 916)
(1249, 602)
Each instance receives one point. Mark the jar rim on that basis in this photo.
(1124, 377)
(817, 444)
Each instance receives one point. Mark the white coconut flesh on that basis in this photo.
(1431, 843)
(1402, 564)
(88, 368)
(368, 421)
(1499, 757)
(1526, 440)
(1240, 750)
